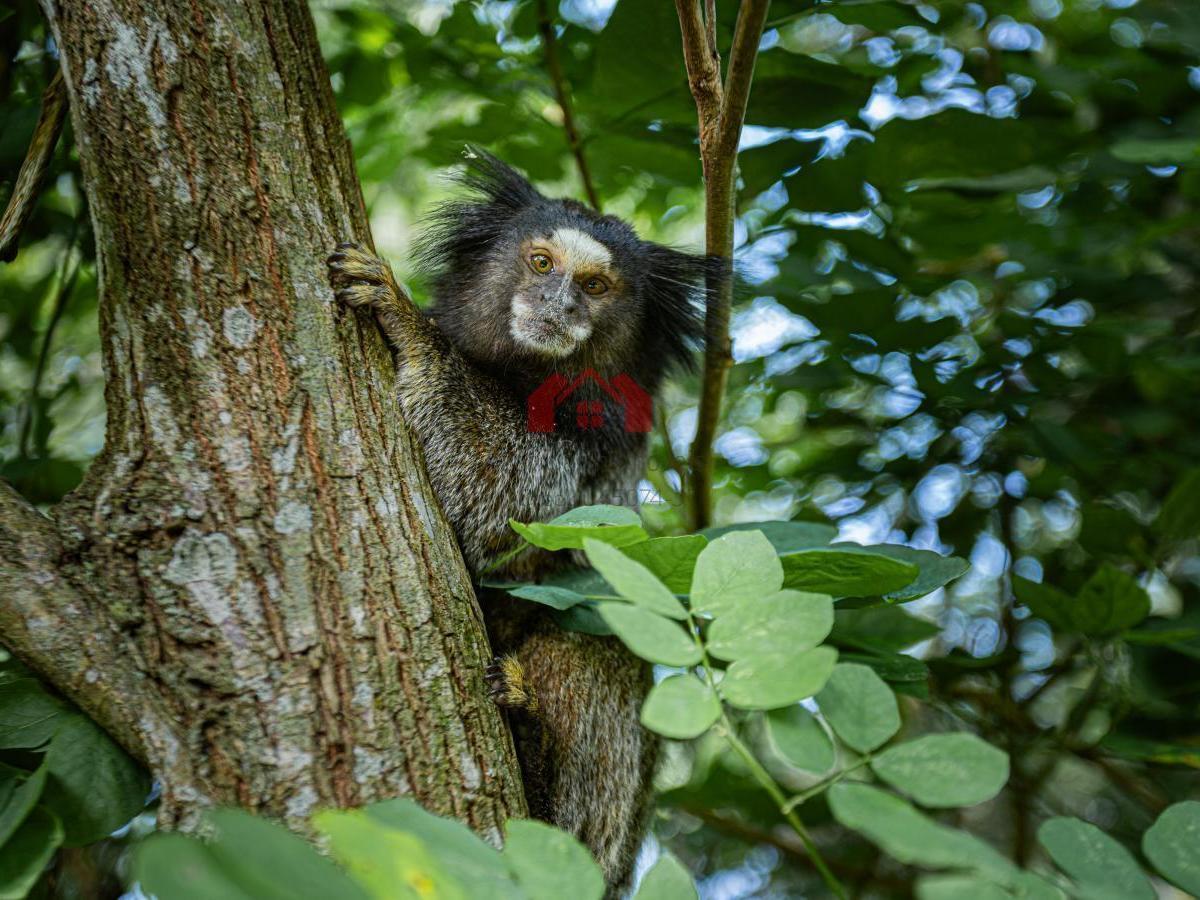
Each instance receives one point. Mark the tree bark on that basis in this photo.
(254, 589)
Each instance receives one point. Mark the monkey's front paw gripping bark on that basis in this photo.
(359, 278)
(508, 685)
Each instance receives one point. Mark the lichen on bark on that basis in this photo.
(253, 589)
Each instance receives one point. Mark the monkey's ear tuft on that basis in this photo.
(458, 235)
(678, 285)
(496, 181)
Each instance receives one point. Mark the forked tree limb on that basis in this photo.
(40, 615)
(33, 171)
(562, 93)
(720, 110)
(253, 589)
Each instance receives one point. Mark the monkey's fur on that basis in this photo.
(526, 287)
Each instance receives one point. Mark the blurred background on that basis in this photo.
(969, 239)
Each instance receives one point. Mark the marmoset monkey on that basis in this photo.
(529, 289)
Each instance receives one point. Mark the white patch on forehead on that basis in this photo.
(579, 251)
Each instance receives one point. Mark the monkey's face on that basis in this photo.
(525, 284)
(567, 287)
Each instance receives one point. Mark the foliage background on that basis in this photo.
(968, 234)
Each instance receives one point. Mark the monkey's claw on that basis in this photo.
(359, 278)
(507, 685)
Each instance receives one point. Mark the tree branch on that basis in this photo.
(703, 67)
(563, 95)
(720, 110)
(33, 171)
(746, 37)
(51, 626)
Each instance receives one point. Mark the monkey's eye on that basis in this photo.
(541, 263)
(595, 286)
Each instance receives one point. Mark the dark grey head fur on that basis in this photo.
(607, 299)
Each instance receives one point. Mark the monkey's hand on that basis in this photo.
(362, 280)
(509, 686)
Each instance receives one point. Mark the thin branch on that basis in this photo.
(720, 109)
(67, 276)
(33, 171)
(703, 67)
(758, 771)
(752, 16)
(562, 94)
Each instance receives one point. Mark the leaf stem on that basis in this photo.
(762, 776)
(810, 792)
(511, 554)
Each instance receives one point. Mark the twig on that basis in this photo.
(672, 459)
(563, 95)
(762, 776)
(753, 834)
(808, 793)
(720, 110)
(67, 276)
(33, 171)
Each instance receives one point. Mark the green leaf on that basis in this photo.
(580, 581)
(583, 619)
(1128, 746)
(472, 863)
(270, 863)
(667, 880)
(1046, 602)
(614, 525)
(883, 628)
(27, 852)
(891, 667)
(789, 621)
(956, 887)
(182, 868)
(910, 837)
(934, 570)
(843, 572)
(800, 739)
(384, 861)
(944, 770)
(19, 796)
(548, 595)
(785, 537)
(671, 559)
(649, 635)
(549, 863)
(1027, 179)
(1101, 866)
(1179, 518)
(1109, 602)
(632, 580)
(29, 716)
(735, 568)
(680, 707)
(769, 682)
(1161, 152)
(594, 516)
(94, 787)
(1172, 844)
(859, 707)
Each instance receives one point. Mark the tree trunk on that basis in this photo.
(254, 589)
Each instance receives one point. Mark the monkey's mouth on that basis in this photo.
(549, 337)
